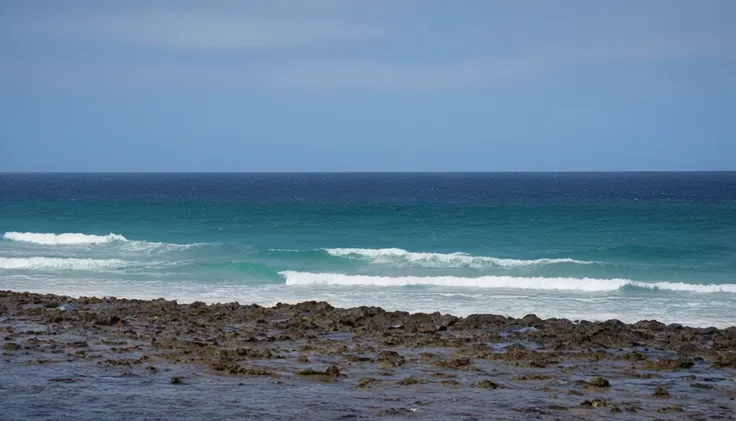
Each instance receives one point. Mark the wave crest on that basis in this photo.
(66, 239)
(36, 263)
(81, 239)
(442, 260)
(507, 282)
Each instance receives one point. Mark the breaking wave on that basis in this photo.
(509, 282)
(66, 239)
(81, 239)
(442, 260)
(36, 263)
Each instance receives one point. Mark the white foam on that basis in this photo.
(36, 263)
(441, 260)
(508, 282)
(681, 286)
(80, 239)
(66, 239)
(511, 282)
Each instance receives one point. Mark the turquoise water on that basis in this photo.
(593, 246)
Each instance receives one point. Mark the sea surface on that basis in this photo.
(593, 246)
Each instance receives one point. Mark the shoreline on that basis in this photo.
(367, 362)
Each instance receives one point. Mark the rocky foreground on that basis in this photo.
(362, 362)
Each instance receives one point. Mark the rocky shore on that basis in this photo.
(158, 359)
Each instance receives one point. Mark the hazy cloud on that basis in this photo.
(337, 44)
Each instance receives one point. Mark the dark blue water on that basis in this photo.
(626, 245)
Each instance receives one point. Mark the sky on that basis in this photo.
(367, 85)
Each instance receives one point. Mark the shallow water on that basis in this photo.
(49, 385)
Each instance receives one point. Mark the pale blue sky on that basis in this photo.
(372, 85)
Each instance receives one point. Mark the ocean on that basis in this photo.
(594, 246)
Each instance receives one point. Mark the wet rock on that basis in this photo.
(357, 358)
(595, 403)
(652, 325)
(725, 359)
(599, 382)
(661, 392)
(481, 321)
(302, 359)
(359, 316)
(635, 356)
(391, 359)
(533, 377)
(486, 384)
(11, 346)
(125, 361)
(671, 364)
(368, 382)
(449, 383)
(331, 371)
(63, 380)
(517, 354)
(531, 320)
(394, 412)
(455, 363)
(245, 352)
(672, 408)
(702, 386)
(444, 375)
(648, 376)
(411, 380)
(236, 369)
(176, 380)
(108, 320)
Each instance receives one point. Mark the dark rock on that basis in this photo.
(368, 382)
(661, 392)
(407, 381)
(635, 356)
(108, 321)
(11, 346)
(332, 370)
(649, 325)
(533, 377)
(176, 380)
(486, 384)
(391, 358)
(726, 359)
(394, 412)
(671, 364)
(595, 403)
(236, 369)
(455, 363)
(63, 380)
(673, 408)
(599, 382)
(245, 352)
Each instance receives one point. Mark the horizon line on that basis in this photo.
(372, 172)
